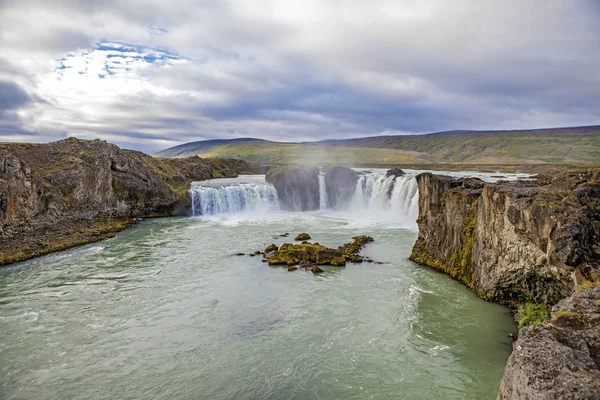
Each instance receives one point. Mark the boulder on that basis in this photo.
(395, 172)
(316, 270)
(325, 256)
(302, 236)
(292, 268)
(271, 248)
(338, 262)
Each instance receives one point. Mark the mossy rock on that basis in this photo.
(316, 270)
(356, 246)
(271, 248)
(326, 255)
(292, 268)
(532, 314)
(338, 262)
(302, 236)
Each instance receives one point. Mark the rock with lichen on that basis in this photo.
(338, 262)
(558, 359)
(302, 236)
(305, 254)
(61, 194)
(271, 248)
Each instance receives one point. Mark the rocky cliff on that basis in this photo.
(511, 242)
(341, 185)
(559, 359)
(524, 244)
(297, 187)
(57, 195)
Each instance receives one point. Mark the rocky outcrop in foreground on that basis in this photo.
(57, 195)
(527, 245)
(559, 359)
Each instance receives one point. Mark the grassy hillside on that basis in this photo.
(579, 145)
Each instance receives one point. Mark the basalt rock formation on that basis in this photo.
(559, 359)
(57, 195)
(524, 243)
(511, 242)
(340, 183)
(297, 187)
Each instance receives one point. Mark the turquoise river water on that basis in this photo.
(166, 310)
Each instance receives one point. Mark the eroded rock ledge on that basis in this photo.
(511, 242)
(57, 195)
(522, 243)
(559, 359)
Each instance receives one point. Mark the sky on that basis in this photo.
(149, 75)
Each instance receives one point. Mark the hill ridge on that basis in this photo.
(578, 145)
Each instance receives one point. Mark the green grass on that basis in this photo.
(532, 314)
(574, 145)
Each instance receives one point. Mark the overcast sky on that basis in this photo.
(153, 74)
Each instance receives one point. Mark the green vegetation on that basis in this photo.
(99, 229)
(588, 285)
(532, 314)
(558, 146)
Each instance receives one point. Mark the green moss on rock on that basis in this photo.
(532, 314)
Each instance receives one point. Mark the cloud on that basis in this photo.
(149, 75)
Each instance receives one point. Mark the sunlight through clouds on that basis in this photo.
(151, 74)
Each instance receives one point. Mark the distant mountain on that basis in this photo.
(575, 145)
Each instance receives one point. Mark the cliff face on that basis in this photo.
(510, 242)
(341, 185)
(559, 359)
(297, 187)
(526, 243)
(60, 194)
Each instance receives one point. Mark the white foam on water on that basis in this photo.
(28, 316)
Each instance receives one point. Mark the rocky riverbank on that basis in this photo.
(58, 195)
(528, 245)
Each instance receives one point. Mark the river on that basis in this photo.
(167, 310)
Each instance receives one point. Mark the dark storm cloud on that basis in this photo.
(12, 96)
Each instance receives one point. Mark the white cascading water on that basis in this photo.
(323, 201)
(233, 198)
(376, 192)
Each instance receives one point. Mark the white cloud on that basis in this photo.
(150, 74)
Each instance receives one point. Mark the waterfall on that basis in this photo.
(207, 200)
(376, 192)
(323, 201)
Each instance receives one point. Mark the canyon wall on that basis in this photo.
(297, 187)
(511, 242)
(57, 195)
(525, 243)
